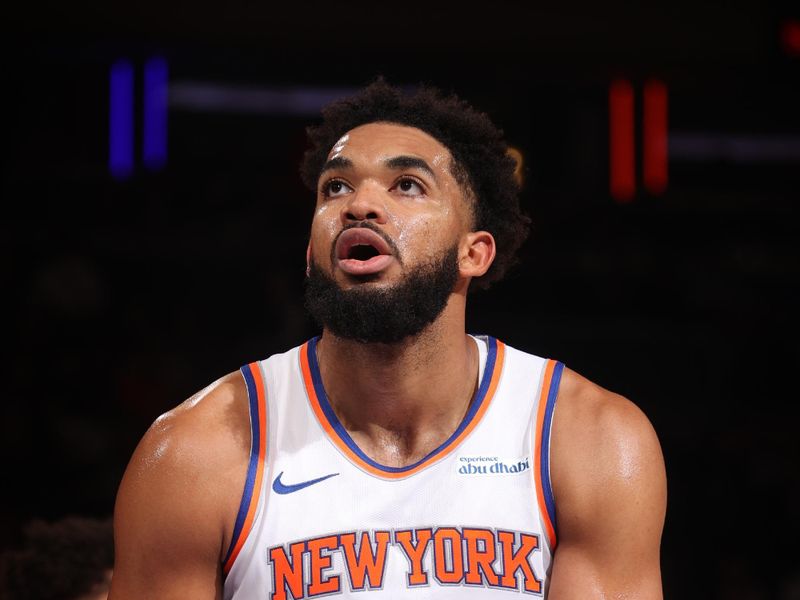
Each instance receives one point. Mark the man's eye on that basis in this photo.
(335, 188)
(410, 187)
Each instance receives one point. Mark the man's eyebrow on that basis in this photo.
(397, 163)
(339, 162)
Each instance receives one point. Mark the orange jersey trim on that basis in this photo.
(258, 454)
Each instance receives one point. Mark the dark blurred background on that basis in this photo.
(154, 229)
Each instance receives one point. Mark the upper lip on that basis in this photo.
(360, 236)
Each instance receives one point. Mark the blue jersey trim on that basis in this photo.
(247, 495)
(327, 409)
(552, 394)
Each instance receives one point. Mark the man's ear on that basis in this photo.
(476, 253)
(308, 259)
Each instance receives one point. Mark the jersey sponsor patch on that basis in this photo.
(492, 465)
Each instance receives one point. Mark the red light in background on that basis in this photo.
(622, 162)
(790, 37)
(654, 138)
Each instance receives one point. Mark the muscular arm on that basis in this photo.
(610, 491)
(175, 508)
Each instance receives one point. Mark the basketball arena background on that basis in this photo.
(154, 229)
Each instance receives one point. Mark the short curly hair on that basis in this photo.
(481, 163)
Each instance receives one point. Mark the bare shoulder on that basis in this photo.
(213, 425)
(203, 435)
(179, 496)
(606, 456)
(609, 485)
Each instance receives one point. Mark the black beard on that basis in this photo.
(384, 315)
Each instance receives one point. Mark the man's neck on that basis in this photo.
(400, 401)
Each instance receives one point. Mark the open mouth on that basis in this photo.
(361, 251)
(360, 243)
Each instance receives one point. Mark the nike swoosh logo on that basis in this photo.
(281, 488)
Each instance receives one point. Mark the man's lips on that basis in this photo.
(361, 251)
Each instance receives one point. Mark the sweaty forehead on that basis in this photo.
(379, 141)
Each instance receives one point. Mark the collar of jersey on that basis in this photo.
(339, 436)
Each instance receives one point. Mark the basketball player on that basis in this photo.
(395, 456)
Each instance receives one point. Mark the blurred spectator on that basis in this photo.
(70, 559)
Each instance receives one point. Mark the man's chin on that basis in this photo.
(375, 280)
(374, 310)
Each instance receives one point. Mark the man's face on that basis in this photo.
(386, 233)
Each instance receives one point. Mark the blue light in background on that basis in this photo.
(120, 122)
(154, 140)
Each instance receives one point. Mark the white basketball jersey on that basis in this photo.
(473, 519)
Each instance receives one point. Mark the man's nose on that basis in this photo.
(367, 203)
